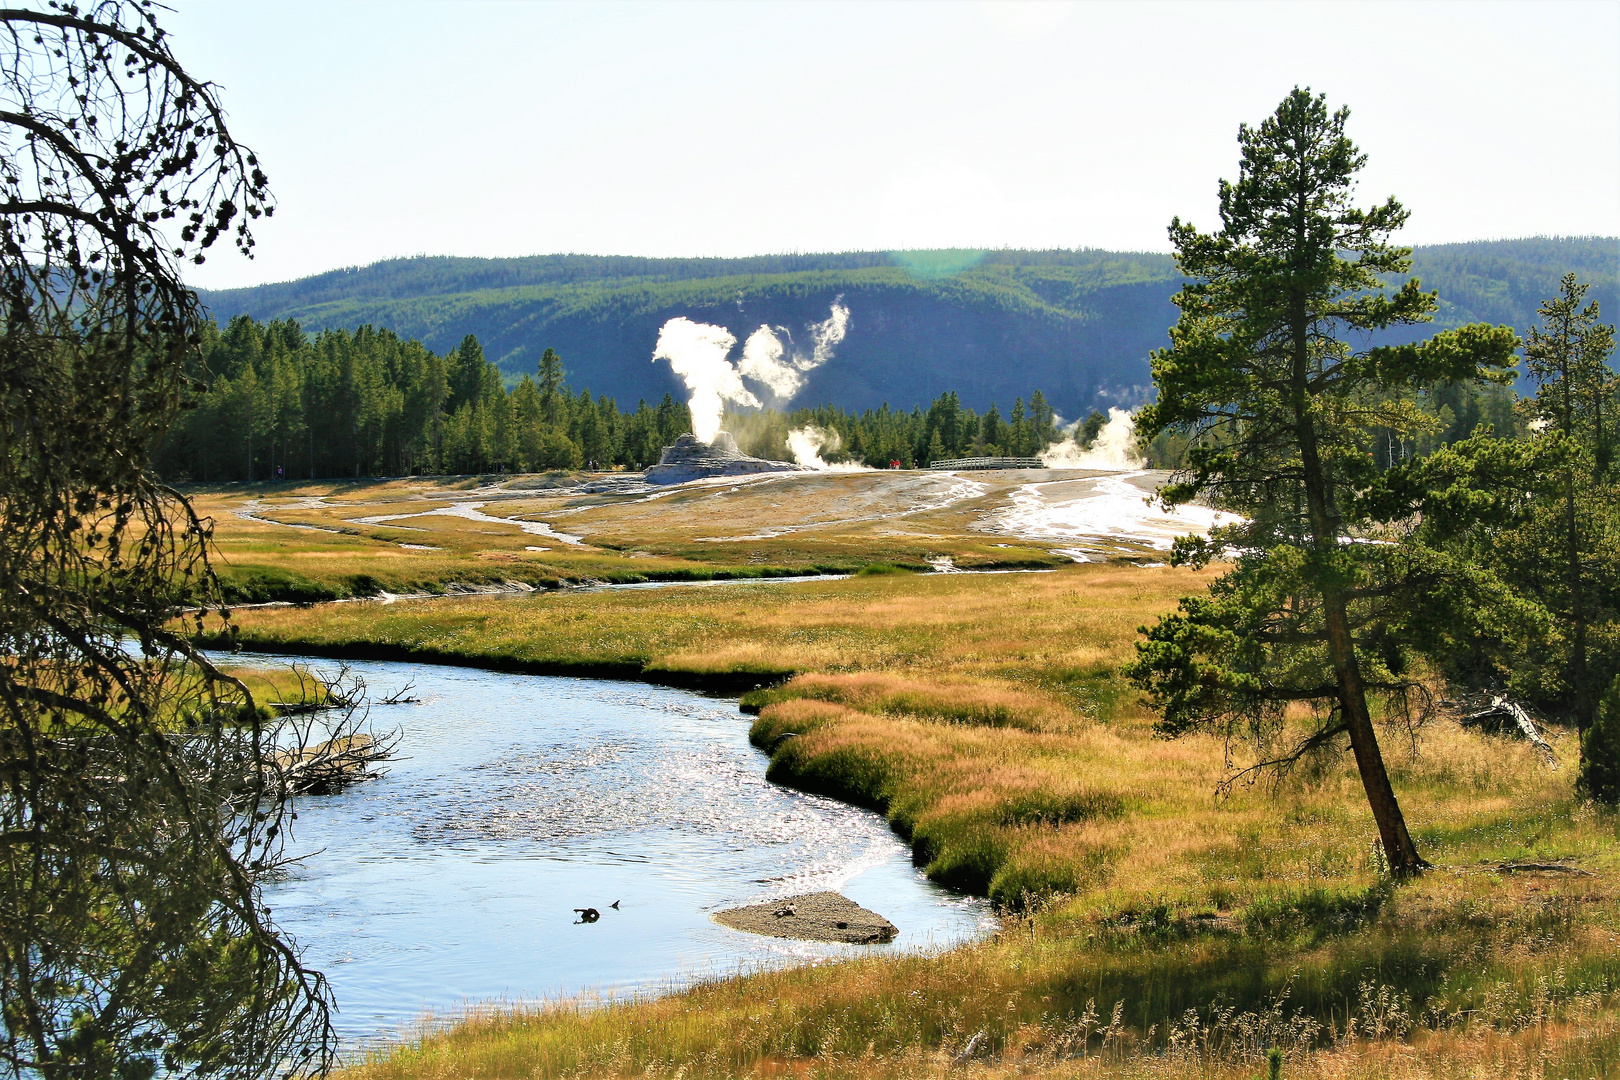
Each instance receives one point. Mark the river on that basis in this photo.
(452, 881)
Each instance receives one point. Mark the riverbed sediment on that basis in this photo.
(817, 916)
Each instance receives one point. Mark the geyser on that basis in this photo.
(700, 354)
(807, 443)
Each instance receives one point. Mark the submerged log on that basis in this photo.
(326, 767)
(322, 756)
(302, 708)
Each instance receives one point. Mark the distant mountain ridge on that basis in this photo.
(991, 325)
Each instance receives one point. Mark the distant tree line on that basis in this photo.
(276, 403)
(880, 437)
(1016, 319)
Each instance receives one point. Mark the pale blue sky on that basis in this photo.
(391, 127)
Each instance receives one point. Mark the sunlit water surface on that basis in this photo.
(515, 799)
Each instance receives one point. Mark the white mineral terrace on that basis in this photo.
(1101, 513)
(473, 511)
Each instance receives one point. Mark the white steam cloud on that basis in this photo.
(769, 356)
(701, 355)
(1113, 448)
(807, 443)
(762, 362)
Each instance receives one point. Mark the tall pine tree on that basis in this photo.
(1279, 407)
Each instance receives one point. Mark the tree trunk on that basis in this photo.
(1577, 610)
(1404, 860)
(1577, 614)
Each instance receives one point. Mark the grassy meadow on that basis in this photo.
(1150, 929)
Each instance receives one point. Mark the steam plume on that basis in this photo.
(807, 443)
(769, 356)
(700, 355)
(762, 362)
(1114, 447)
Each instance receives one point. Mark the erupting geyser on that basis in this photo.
(1113, 448)
(701, 355)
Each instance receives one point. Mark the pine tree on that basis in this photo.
(1280, 409)
(551, 386)
(466, 373)
(144, 799)
(1040, 418)
(1568, 356)
(991, 430)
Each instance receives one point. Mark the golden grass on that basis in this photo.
(271, 685)
(984, 714)
(1059, 995)
(1060, 634)
(970, 701)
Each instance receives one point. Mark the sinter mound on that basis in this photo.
(689, 459)
(821, 916)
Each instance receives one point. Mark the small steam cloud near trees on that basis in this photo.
(1097, 443)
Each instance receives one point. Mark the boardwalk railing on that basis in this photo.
(989, 463)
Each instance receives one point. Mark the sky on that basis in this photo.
(500, 127)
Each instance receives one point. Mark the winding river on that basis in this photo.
(453, 880)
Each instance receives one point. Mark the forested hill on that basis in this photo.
(985, 324)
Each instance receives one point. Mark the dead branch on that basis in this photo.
(318, 692)
(1280, 766)
(1541, 868)
(323, 756)
(1504, 716)
(329, 766)
(402, 696)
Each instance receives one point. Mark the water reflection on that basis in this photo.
(517, 799)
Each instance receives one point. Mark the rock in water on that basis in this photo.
(689, 459)
(822, 916)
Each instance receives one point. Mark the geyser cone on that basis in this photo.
(690, 458)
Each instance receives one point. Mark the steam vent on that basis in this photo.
(690, 459)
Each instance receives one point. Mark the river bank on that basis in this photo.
(985, 719)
